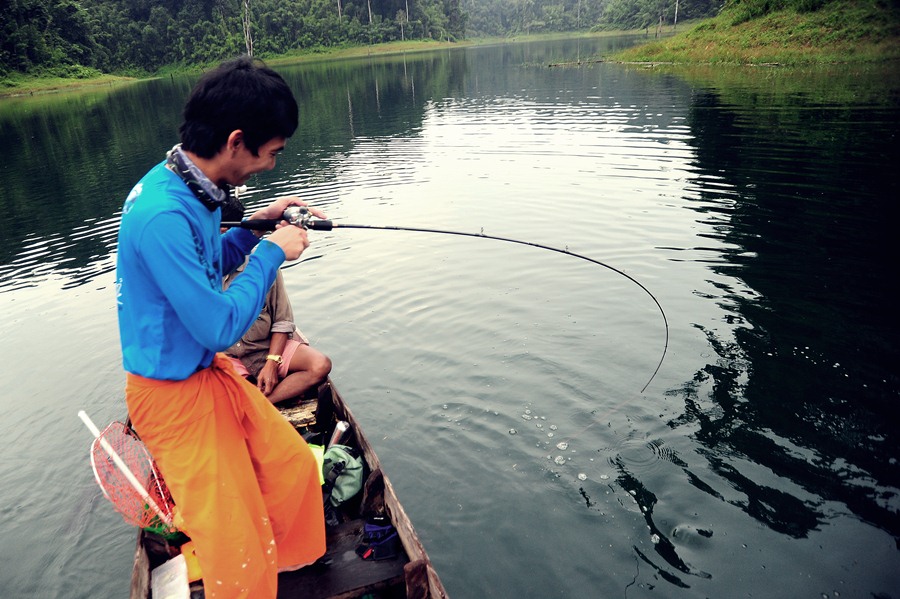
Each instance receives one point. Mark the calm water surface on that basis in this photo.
(501, 384)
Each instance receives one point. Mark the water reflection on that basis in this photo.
(79, 155)
(69, 160)
(807, 385)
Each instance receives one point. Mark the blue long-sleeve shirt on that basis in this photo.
(173, 314)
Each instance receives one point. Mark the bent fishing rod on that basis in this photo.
(301, 217)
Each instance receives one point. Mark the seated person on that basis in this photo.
(273, 350)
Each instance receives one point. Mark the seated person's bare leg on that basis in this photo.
(308, 367)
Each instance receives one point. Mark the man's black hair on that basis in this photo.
(240, 94)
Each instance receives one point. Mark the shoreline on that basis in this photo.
(32, 86)
(675, 48)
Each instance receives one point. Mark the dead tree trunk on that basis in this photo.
(245, 19)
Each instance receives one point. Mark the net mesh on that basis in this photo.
(121, 493)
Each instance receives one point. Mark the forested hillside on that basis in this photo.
(506, 17)
(784, 32)
(143, 35)
(78, 38)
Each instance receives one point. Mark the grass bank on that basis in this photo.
(839, 31)
(24, 85)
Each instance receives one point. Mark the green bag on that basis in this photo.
(342, 468)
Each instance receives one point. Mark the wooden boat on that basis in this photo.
(408, 575)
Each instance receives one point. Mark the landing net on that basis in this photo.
(127, 500)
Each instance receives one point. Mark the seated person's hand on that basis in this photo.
(267, 379)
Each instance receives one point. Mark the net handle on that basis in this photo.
(134, 482)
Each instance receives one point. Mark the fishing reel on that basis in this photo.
(300, 216)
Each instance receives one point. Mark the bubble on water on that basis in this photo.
(526, 417)
(582, 476)
(562, 446)
(552, 427)
(560, 460)
(550, 435)
(513, 431)
(444, 406)
(654, 538)
(539, 425)
(528, 411)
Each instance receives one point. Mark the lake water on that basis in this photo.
(501, 384)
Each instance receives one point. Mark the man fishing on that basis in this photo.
(245, 484)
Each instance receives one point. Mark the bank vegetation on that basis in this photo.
(83, 39)
(56, 44)
(784, 33)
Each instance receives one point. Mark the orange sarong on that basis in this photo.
(245, 483)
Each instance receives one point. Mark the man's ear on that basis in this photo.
(235, 140)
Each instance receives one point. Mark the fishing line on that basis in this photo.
(300, 217)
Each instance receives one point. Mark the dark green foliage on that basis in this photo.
(45, 36)
(77, 38)
(141, 36)
(510, 17)
(747, 10)
(641, 14)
